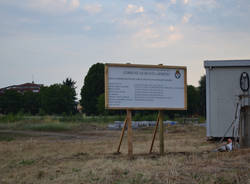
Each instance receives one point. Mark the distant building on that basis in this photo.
(79, 107)
(35, 88)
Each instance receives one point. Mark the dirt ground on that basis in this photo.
(86, 157)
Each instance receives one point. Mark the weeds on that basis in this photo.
(26, 162)
(76, 170)
(9, 118)
(137, 179)
(49, 127)
(88, 119)
(79, 118)
(40, 174)
(6, 138)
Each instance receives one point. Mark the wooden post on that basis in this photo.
(129, 122)
(161, 132)
(155, 131)
(122, 134)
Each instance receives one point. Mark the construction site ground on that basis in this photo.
(88, 156)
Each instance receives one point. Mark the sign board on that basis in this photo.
(145, 87)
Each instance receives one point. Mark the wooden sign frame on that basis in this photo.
(107, 66)
(128, 119)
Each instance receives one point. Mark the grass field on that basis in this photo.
(84, 154)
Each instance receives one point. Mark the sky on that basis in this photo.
(50, 40)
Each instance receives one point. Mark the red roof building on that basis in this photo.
(35, 88)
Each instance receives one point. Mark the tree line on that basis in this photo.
(53, 99)
(61, 98)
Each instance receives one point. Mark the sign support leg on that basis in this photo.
(129, 122)
(161, 134)
(155, 131)
(122, 134)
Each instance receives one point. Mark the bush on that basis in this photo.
(145, 117)
(9, 118)
(47, 127)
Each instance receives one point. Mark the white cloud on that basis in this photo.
(161, 8)
(165, 41)
(175, 37)
(93, 8)
(136, 22)
(186, 18)
(171, 28)
(54, 6)
(173, 1)
(146, 34)
(75, 3)
(134, 9)
(156, 38)
(206, 3)
(203, 5)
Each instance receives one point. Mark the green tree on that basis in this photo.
(69, 82)
(202, 89)
(93, 87)
(101, 105)
(193, 100)
(31, 102)
(58, 99)
(10, 102)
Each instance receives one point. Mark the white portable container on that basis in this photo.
(223, 87)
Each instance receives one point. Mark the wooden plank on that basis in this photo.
(155, 131)
(144, 108)
(130, 144)
(122, 134)
(161, 133)
(185, 89)
(145, 66)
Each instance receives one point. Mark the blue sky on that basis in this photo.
(54, 39)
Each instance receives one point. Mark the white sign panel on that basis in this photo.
(145, 87)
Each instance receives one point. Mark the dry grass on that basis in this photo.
(91, 159)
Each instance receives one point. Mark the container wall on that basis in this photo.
(223, 89)
(245, 133)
